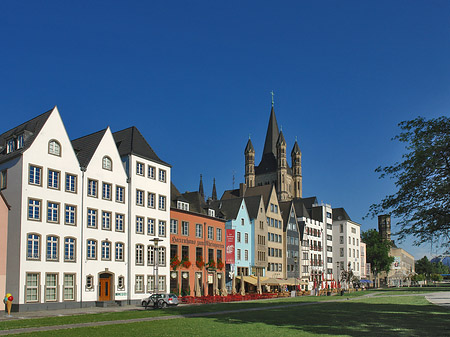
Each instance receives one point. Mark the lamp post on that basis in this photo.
(155, 269)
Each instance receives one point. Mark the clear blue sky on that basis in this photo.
(195, 77)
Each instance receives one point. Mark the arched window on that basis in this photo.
(54, 148)
(107, 163)
(33, 246)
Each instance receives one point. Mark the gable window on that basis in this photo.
(53, 179)
(10, 145)
(92, 188)
(107, 163)
(139, 169)
(54, 148)
(151, 172)
(35, 175)
(52, 248)
(162, 175)
(120, 192)
(183, 205)
(71, 183)
(106, 191)
(20, 141)
(211, 212)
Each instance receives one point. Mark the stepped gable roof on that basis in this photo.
(131, 141)
(300, 209)
(228, 208)
(253, 205)
(30, 129)
(85, 146)
(340, 214)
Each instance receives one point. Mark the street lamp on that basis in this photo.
(155, 269)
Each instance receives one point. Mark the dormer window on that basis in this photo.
(54, 148)
(20, 142)
(107, 163)
(211, 212)
(183, 205)
(10, 146)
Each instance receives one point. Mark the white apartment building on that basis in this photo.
(346, 242)
(71, 241)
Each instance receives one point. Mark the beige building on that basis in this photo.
(401, 269)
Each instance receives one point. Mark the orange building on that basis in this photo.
(197, 246)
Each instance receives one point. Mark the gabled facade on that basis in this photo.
(257, 213)
(292, 239)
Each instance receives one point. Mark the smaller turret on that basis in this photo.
(296, 156)
(249, 164)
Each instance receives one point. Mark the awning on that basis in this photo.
(366, 281)
(272, 282)
(251, 279)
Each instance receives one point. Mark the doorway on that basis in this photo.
(105, 286)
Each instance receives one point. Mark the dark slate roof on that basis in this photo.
(267, 164)
(252, 204)
(285, 209)
(196, 202)
(229, 208)
(249, 147)
(263, 190)
(340, 214)
(270, 145)
(29, 129)
(309, 202)
(175, 196)
(85, 146)
(300, 209)
(295, 149)
(131, 141)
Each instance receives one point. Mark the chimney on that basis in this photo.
(242, 189)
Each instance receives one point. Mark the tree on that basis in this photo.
(377, 251)
(347, 275)
(422, 201)
(427, 268)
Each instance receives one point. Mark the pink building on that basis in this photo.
(4, 207)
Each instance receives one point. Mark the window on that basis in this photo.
(33, 247)
(162, 283)
(52, 248)
(91, 249)
(246, 255)
(32, 287)
(51, 287)
(106, 191)
(89, 282)
(120, 250)
(150, 283)
(162, 175)
(185, 228)
(71, 183)
(151, 172)
(69, 250)
(341, 228)
(3, 179)
(328, 215)
(120, 193)
(69, 287)
(53, 179)
(106, 220)
(162, 256)
(139, 284)
(246, 237)
(210, 233)
(107, 163)
(139, 254)
(183, 205)
(52, 212)
(121, 283)
(92, 188)
(198, 230)
(151, 200)
(353, 230)
(242, 222)
(341, 239)
(34, 209)
(92, 218)
(119, 222)
(162, 228)
(329, 238)
(211, 212)
(10, 145)
(173, 226)
(238, 237)
(150, 255)
(106, 250)
(150, 226)
(139, 225)
(185, 252)
(54, 148)
(70, 215)
(139, 198)
(20, 141)
(35, 175)
(162, 203)
(238, 253)
(353, 241)
(139, 169)
(219, 234)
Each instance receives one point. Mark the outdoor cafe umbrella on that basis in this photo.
(258, 286)
(242, 292)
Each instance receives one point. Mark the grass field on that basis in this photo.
(374, 316)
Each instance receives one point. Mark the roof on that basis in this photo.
(252, 204)
(196, 202)
(285, 210)
(175, 195)
(29, 129)
(300, 209)
(340, 214)
(270, 145)
(264, 190)
(85, 146)
(309, 202)
(229, 208)
(249, 147)
(130, 141)
(296, 149)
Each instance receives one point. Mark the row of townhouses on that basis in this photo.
(98, 219)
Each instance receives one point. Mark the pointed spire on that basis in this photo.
(214, 192)
(249, 147)
(200, 188)
(296, 148)
(281, 140)
(271, 135)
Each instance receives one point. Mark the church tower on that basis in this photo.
(296, 157)
(282, 185)
(249, 164)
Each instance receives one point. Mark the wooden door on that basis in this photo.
(105, 289)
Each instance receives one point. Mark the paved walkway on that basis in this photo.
(438, 298)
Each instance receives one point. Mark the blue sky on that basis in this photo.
(195, 77)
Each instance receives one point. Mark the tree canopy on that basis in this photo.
(422, 201)
(427, 268)
(377, 251)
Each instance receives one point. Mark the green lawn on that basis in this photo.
(375, 316)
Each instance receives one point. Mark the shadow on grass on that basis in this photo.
(353, 319)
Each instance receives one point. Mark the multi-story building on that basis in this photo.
(197, 240)
(4, 208)
(83, 214)
(346, 234)
(292, 239)
(362, 254)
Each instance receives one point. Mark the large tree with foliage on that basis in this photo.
(427, 268)
(422, 178)
(377, 251)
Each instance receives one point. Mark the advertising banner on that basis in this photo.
(230, 235)
(397, 264)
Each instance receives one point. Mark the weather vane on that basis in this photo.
(272, 96)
